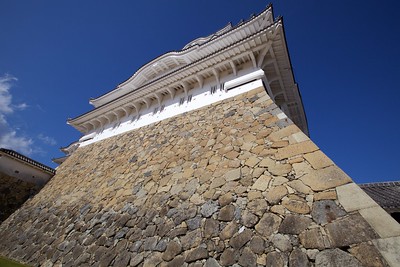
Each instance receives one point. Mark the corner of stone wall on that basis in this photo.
(330, 182)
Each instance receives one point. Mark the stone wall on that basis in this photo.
(13, 193)
(232, 183)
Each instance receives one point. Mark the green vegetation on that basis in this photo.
(9, 263)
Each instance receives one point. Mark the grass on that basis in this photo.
(10, 263)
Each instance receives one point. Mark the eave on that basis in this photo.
(264, 49)
(194, 51)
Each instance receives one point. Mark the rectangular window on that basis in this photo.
(213, 89)
(189, 98)
(181, 101)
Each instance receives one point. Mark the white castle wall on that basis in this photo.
(200, 97)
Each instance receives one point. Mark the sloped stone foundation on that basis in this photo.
(13, 193)
(235, 182)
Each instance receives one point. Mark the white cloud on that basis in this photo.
(5, 95)
(47, 139)
(21, 106)
(21, 144)
(8, 136)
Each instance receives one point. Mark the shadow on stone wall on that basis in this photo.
(13, 193)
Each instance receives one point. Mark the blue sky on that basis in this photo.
(55, 55)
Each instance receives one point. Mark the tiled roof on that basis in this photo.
(27, 160)
(386, 194)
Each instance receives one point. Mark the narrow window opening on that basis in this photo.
(213, 89)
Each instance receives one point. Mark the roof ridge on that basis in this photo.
(28, 160)
(373, 184)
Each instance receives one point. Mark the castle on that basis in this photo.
(202, 158)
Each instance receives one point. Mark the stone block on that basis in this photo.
(280, 169)
(352, 197)
(240, 239)
(279, 180)
(327, 178)
(211, 262)
(325, 195)
(252, 161)
(209, 208)
(267, 162)
(137, 259)
(313, 238)
(257, 245)
(294, 224)
(225, 199)
(368, 255)
(279, 144)
(301, 168)
(229, 257)
(229, 230)
(298, 137)
(298, 258)
(153, 259)
(196, 254)
(349, 230)
(233, 175)
(336, 257)
(275, 259)
(282, 242)
(226, 213)
(261, 183)
(248, 258)
(325, 211)
(318, 159)
(173, 249)
(295, 149)
(275, 194)
(299, 186)
(177, 261)
(232, 154)
(268, 224)
(282, 133)
(296, 205)
(217, 182)
(248, 219)
(389, 248)
(381, 222)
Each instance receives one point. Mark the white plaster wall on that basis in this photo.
(246, 81)
(22, 171)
